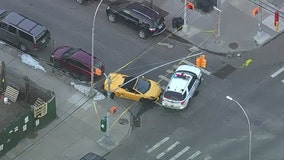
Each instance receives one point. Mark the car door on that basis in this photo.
(129, 18)
(133, 95)
(74, 67)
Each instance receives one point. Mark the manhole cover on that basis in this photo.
(225, 71)
(123, 121)
(233, 45)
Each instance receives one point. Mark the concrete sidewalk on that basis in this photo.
(76, 131)
(239, 30)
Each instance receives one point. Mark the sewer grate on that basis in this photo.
(225, 71)
(233, 45)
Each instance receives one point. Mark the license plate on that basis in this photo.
(43, 41)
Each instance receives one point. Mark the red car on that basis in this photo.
(77, 62)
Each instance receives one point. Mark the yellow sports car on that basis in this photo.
(137, 89)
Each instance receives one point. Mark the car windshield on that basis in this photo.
(142, 85)
(70, 52)
(98, 63)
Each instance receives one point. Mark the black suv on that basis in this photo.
(145, 19)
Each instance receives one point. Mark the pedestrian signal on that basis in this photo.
(203, 62)
(104, 124)
(255, 11)
(198, 62)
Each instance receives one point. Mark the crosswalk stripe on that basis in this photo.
(277, 72)
(158, 144)
(187, 62)
(167, 150)
(170, 71)
(164, 78)
(205, 71)
(207, 158)
(194, 155)
(180, 153)
(176, 66)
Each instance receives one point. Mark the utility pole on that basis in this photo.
(218, 22)
(184, 27)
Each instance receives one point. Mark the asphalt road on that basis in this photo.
(212, 127)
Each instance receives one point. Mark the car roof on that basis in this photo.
(23, 23)
(144, 10)
(179, 81)
(83, 57)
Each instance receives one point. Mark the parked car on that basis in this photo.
(92, 156)
(137, 89)
(22, 32)
(139, 16)
(182, 87)
(77, 62)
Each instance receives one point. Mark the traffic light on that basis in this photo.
(190, 5)
(276, 18)
(203, 60)
(198, 62)
(104, 124)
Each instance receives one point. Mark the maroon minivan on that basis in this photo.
(77, 62)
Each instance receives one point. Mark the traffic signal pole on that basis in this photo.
(107, 135)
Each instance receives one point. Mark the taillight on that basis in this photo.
(182, 102)
(35, 47)
(152, 29)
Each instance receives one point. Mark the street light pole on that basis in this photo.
(218, 23)
(93, 48)
(231, 99)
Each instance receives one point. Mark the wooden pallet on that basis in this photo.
(40, 108)
(11, 93)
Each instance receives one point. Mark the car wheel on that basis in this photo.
(111, 18)
(80, 1)
(142, 34)
(144, 100)
(84, 78)
(112, 95)
(56, 64)
(23, 48)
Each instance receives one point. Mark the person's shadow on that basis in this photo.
(143, 108)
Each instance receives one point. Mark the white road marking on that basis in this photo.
(187, 62)
(158, 144)
(277, 72)
(170, 71)
(176, 66)
(164, 78)
(207, 158)
(194, 155)
(180, 153)
(205, 71)
(167, 150)
(282, 81)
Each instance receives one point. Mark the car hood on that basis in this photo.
(116, 80)
(60, 51)
(154, 91)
